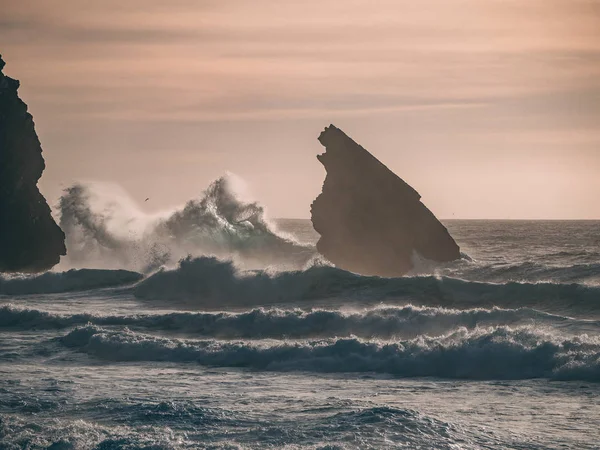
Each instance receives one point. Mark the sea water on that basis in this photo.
(498, 350)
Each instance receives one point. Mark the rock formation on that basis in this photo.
(372, 222)
(30, 239)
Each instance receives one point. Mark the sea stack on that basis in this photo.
(371, 221)
(30, 239)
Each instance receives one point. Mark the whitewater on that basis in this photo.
(212, 326)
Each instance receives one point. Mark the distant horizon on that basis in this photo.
(474, 219)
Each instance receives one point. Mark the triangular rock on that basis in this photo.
(372, 222)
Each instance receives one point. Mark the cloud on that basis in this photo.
(451, 78)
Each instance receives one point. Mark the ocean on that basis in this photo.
(500, 349)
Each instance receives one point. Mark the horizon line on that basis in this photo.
(481, 219)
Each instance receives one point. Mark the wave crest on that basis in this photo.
(483, 353)
(208, 282)
(381, 322)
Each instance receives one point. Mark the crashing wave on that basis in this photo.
(208, 282)
(380, 322)
(105, 229)
(483, 353)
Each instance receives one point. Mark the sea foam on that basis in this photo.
(385, 322)
(484, 353)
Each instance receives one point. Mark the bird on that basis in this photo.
(147, 198)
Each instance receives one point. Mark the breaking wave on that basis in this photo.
(71, 280)
(382, 322)
(208, 282)
(105, 229)
(482, 353)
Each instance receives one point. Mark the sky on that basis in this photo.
(489, 109)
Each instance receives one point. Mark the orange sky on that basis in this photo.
(490, 109)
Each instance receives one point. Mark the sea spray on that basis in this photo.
(106, 229)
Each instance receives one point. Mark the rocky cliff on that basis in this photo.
(372, 222)
(30, 239)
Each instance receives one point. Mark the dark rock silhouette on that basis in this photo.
(30, 239)
(370, 220)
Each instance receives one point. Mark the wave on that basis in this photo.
(105, 229)
(574, 254)
(483, 353)
(53, 432)
(134, 424)
(390, 427)
(527, 271)
(72, 280)
(209, 282)
(381, 322)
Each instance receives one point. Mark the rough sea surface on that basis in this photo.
(498, 350)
